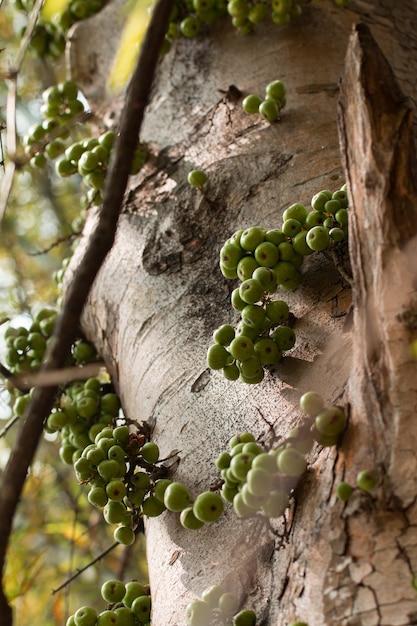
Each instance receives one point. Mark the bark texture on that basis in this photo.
(160, 295)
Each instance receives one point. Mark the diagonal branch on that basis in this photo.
(100, 243)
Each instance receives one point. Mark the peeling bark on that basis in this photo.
(380, 160)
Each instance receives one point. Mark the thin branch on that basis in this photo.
(100, 243)
(12, 421)
(10, 169)
(58, 377)
(24, 45)
(57, 242)
(5, 373)
(2, 149)
(78, 572)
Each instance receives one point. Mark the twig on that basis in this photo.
(10, 168)
(78, 572)
(57, 242)
(7, 374)
(58, 377)
(12, 421)
(2, 148)
(100, 243)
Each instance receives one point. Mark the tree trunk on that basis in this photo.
(160, 295)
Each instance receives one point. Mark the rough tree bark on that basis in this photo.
(160, 295)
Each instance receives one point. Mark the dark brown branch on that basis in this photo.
(100, 243)
(378, 151)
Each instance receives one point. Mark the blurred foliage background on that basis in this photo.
(57, 531)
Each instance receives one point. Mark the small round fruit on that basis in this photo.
(246, 267)
(228, 602)
(212, 595)
(269, 111)
(150, 452)
(251, 238)
(251, 103)
(140, 480)
(344, 491)
(258, 481)
(299, 244)
(116, 490)
(242, 438)
(291, 462)
(110, 404)
(224, 335)
(366, 480)
(253, 315)
(251, 290)
(85, 616)
(276, 503)
(208, 507)
(121, 434)
(265, 461)
(231, 372)
(124, 616)
(217, 357)
(223, 460)
(152, 507)
(296, 211)
(251, 368)
(141, 607)
(177, 497)
(124, 535)
(267, 278)
(242, 509)
(230, 255)
(277, 311)
(189, 520)
(113, 591)
(97, 496)
(276, 90)
(107, 618)
(198, 613)
(237, 303)
(311, 403)
(247, 617)
(108, 469)
(284, 337)
(258, 13)
(318, 238)
(241, 464)
(160, 488)
(291, 227)
(241, 348)
(330, 421)
(266, 254)
(134, 589)
(114, 512)
(197, 178)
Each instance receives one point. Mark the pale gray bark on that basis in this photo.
(160, 295)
